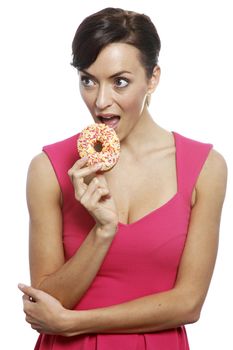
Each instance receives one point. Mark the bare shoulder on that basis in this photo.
(42, 180)
(40, 168)
(217, 163)
(40, 164)
(213, 177)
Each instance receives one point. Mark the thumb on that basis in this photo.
(29, 291)
(102, 179)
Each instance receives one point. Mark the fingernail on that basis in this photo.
(21, 285)
(95, 167)
(85, 158)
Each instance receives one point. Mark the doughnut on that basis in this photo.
(100, 144)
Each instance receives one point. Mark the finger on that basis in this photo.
(36, 327)
(32, 293)
(29, 319)
(80, 162)
(27, 307)
(27, 298)
(102, 179)
(99, 194)
(103, 184)
(78, 181)
(77, 173)
(93, 185)
(77, 165)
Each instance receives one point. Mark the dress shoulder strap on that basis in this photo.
(190, 157)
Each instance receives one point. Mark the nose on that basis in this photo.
(104, 98)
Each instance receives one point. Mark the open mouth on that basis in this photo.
(111, 121)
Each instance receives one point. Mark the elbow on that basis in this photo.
(42, 285)
(46, 286)
(193, 313)
(189, 306)
(193, 316)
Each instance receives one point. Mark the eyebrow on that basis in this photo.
(112, 76)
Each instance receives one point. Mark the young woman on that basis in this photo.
(121, 259)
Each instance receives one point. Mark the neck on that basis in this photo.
(145, 135)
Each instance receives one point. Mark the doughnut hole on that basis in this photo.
(98, 146)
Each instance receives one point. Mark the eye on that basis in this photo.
(121, 82)
(86, 81)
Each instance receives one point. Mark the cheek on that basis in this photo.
(134, 101)
(87, 98)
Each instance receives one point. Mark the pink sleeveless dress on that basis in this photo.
(143, 258)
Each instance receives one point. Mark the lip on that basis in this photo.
(114, 124)
(107, 115)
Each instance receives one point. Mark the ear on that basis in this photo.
(154, 80)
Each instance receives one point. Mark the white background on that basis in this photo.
(40, 104)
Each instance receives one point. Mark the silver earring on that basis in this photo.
(148, 98)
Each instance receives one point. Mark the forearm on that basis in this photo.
(152, 313)
(71, 281)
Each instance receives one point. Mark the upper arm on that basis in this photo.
(201, 246)
(45, 228)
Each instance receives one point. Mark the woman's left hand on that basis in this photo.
(43, 312)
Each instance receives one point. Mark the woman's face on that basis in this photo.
(115, 86)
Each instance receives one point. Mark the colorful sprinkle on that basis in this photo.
(109, 140)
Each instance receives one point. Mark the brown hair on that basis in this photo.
(112, 25)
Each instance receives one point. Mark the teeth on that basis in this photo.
(108, 118)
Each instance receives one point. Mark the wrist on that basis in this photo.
(107, 231)
(68, 324)
(74, 323)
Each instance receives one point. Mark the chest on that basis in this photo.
(143, 185)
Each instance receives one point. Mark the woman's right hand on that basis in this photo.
(95, 195)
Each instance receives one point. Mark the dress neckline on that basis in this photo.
(169, 201)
